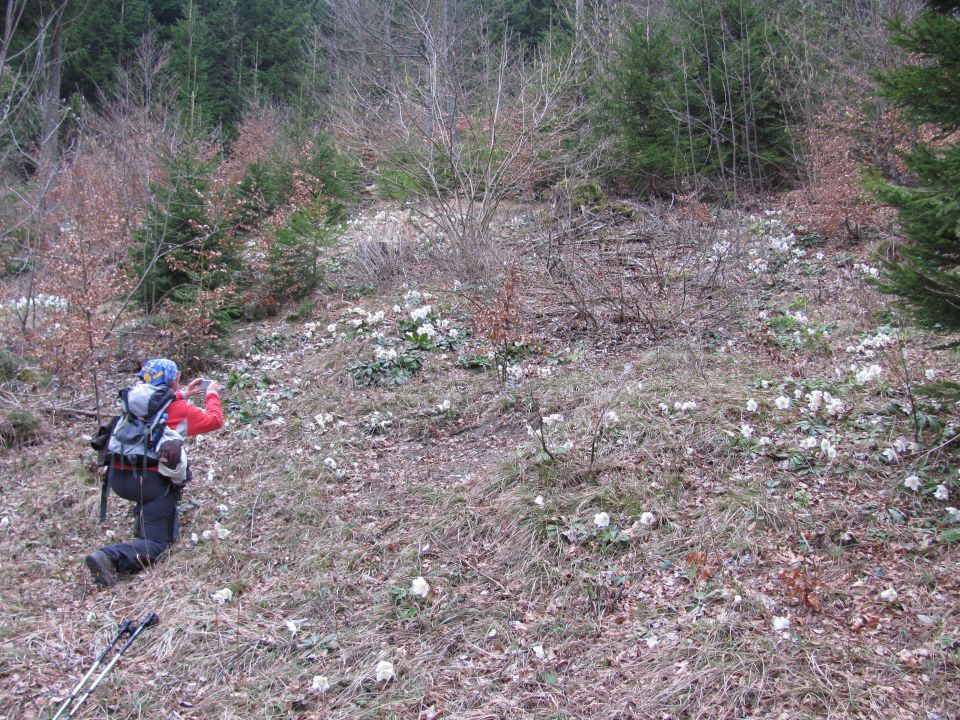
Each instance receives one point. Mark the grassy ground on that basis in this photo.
(613, 531)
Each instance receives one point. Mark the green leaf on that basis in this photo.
(951, 535)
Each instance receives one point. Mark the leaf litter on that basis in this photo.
(408, 550)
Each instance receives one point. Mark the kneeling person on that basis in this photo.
(155, 497)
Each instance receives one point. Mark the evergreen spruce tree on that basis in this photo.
(637, 110)
(733, 110)
(180, 249)
(101, 38)
(206, 57)
(274, 35)
(697, 97)
(926, 270)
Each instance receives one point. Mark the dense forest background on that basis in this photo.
(169, 167)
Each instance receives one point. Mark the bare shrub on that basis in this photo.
(458, 120)
(377, 260)
(499, 317)
(385, 246)
(665, 269)
(88, 233)
(257, 135)
(841, 142)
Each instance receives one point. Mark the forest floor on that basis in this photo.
(685, 499)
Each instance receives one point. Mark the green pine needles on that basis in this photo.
(924, 271)
(697, 98)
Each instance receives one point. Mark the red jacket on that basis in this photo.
(197, 421)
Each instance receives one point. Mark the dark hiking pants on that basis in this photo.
(155, 520)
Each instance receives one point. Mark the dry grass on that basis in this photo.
(673, 622)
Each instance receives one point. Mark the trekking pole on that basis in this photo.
(149, 620)
(124, 629)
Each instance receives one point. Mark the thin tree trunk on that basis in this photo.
(50, 100)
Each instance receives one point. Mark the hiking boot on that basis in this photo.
(102, 568)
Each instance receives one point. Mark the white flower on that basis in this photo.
(516, 373)
(385, 353)
(292, 626)
(652, 642)
(782, 402)
(538, 501)
(648, 518)
(752, 405)
(194, 539)
(912, 482)
(953, 514)
(419, 587)
(889, 595)
(746, 430)
(320, 683)
(539, 652)
(601, 520)
(781, 623)
(444, 406)
(890, 455)
(808, 443)
(420, 313)
(222, 532)
(798, 393)
(835, 406)
(553, 419)
(611, 418)
(685, 406)
(332, 328)
(384, 671)
(222, 596)
(4, 521)
(222, 509)
(765, 384)
(764, 441)
(869, 373)
(330, 463)
(941, 493)
(827, 448)
(207, 535)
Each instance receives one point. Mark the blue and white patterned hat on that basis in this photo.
(159, 371)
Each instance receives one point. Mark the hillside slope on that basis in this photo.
(685, 499)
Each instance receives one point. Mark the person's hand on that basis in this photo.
(213, 387)
(192, 389)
